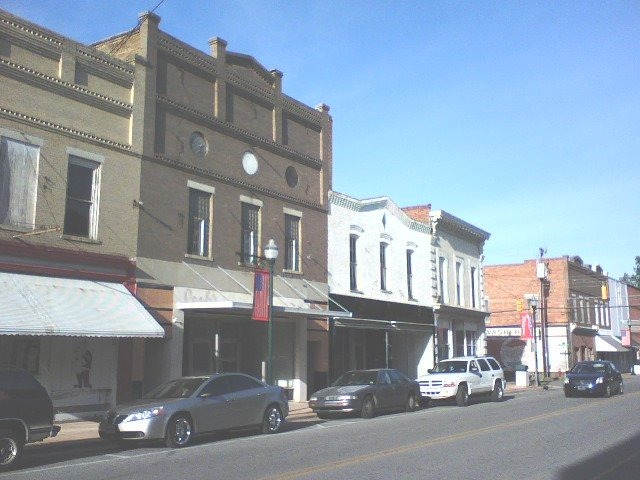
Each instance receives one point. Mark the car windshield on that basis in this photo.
(180, 388)
(357, 378)
(455, 366)
(588, 368)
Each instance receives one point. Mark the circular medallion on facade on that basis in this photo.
(291, 175)
(199, 144)
(249, 163)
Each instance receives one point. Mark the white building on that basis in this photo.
(380, 269)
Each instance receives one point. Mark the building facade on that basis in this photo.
(380, 271)
(68, 231)
(457, 282)
(228, 161)
(572, 320)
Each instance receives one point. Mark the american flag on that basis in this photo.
(261, 296)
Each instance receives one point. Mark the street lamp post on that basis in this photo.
(533, 303)
(270, 253)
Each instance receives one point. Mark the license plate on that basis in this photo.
(582, 388)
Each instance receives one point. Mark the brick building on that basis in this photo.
(68, 230)
(228, 161)
(572, 320)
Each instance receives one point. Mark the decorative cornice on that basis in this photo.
(381, 203)
(117, 72)
(247, 61)
(441, 219)
(13, 23)
(70, 90)
(49, 50)
(251, 138)
(298, 109)
(234, 181)
(186, 53)
(244, 84)
(53, 127)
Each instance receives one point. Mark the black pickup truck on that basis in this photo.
(26, 414)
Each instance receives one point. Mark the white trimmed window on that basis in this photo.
(250, 233)
(83, 195)
(200, 224)
(292, 243)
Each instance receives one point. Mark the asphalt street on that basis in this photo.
(533, 434)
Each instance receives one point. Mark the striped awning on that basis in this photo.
(38, 305)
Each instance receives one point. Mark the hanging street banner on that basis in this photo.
(526, 323)
(261, 296)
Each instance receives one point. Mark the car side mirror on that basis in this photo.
(430, 370)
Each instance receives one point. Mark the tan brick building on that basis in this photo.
(68, 230)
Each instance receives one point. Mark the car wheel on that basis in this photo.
(607, 391)
(322, 416)
(497, 394)
(179, 432)
(462, 396)
(272, 420)
(568, 394)
(368, 407)
(411, 403)
(10, 449)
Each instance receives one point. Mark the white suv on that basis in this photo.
(461, 377)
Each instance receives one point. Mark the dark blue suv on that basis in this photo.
(26, 414)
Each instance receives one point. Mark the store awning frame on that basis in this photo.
(57, 306)
(231, 307)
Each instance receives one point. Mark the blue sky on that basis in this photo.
(522, 118)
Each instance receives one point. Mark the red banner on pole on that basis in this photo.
(261, 296)
(526, 324)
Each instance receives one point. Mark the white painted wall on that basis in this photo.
(378, 220)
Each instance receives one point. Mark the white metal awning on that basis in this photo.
(607, 343)
(36, 305)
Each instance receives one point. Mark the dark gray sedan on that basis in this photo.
(366, 392)
(177, 410)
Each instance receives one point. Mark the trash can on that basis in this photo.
(522, 376)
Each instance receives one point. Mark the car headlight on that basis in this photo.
(347, 397)
(566, 379)
(313, 399)
(145, 414)
(599, 380)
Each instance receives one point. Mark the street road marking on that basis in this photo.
(431, 442)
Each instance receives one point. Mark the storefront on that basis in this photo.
(381, 335)
(75, 335)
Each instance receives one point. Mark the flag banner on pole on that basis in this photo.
(526, 323)
(261, 296)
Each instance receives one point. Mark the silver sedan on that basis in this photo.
(178, 410)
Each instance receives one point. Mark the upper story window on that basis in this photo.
(458, 283)
(18, 182)
(353, 262)
(292, 243)
(383, 266)
(83, 194)
(474, 301)
(442, 280)
(250, 233)
(409, 275)
(200, 224)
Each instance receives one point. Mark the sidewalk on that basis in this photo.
(298, 411)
